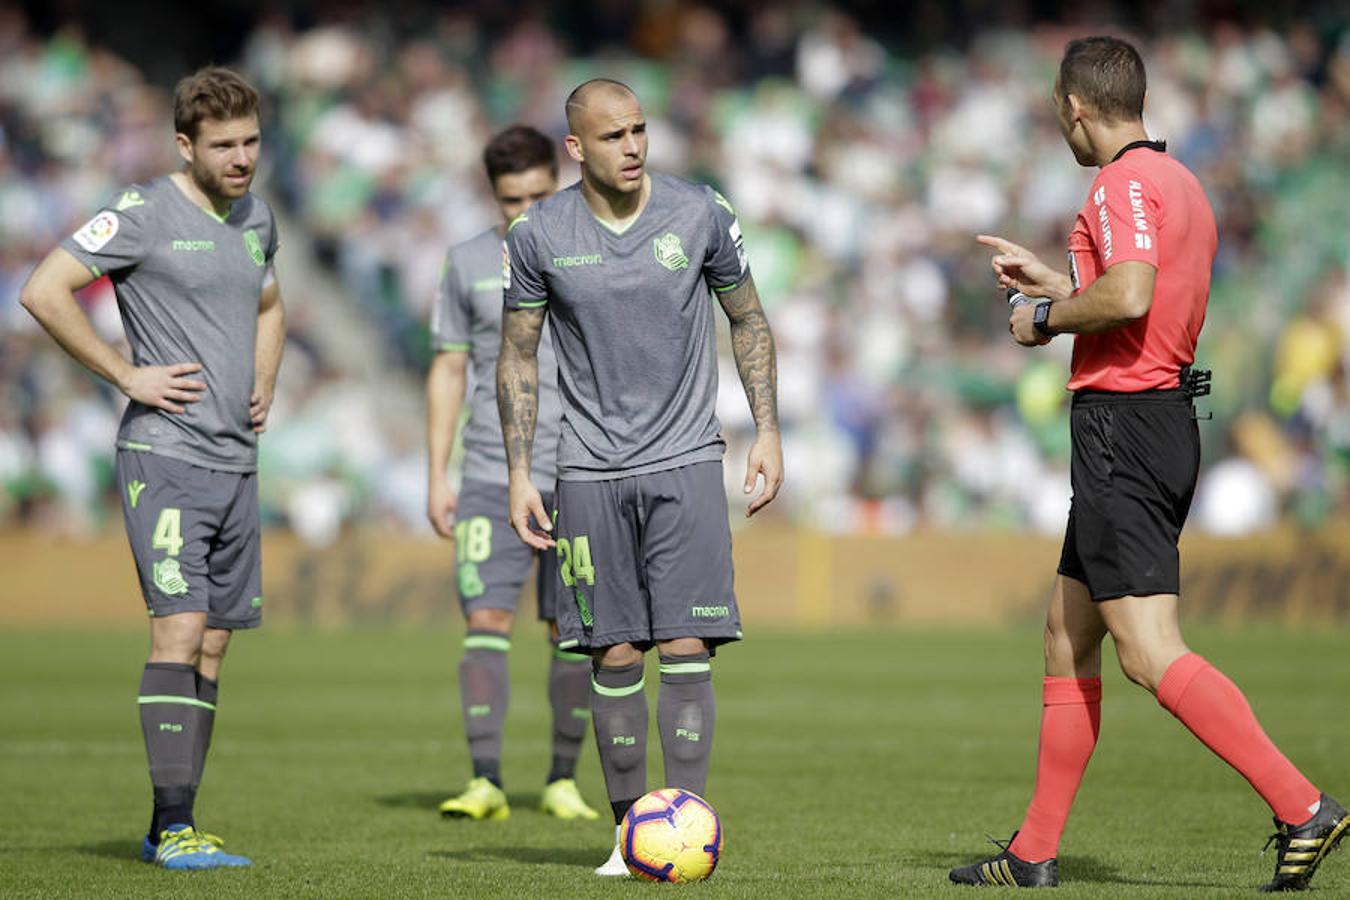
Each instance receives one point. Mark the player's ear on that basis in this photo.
(573, 145)
(1076, 107)
(184, 144)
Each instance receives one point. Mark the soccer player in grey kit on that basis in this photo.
(624, 263)
(490, 564)
(190, 258)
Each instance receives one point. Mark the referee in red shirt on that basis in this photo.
(1140, 257)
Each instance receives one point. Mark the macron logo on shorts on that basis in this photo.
(709, 612)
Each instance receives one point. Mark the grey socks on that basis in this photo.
(684, 715)
(207, 692)
(169, 706)
(619, 709)
(484, 689)
(569, 694)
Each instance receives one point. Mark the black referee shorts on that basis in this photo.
(1135, 461)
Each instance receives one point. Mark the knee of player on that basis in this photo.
(177, 638)
(1138, 666)
(214, 643)
(690, 646)
(618, 656)
(1064, 651)
(498, 620)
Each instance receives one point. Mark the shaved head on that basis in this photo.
(608, 137)
(589, 92)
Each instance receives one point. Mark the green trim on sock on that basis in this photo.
(616, 692)
(565, 656)
(685, 668)
(487, 642)
(169, 698)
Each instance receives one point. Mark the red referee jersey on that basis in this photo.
(1144, 206)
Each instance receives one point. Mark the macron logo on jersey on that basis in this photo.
(1103, 219)
(1142, 239)
(568, 262)
(129, 200)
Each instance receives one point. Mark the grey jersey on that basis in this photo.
(633, 323)
(188, 286)
(467, 316)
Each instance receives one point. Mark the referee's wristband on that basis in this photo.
(1040, 320)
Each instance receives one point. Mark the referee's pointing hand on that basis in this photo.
(1017, 267)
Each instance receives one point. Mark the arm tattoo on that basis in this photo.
(518, 384)
(756, 359)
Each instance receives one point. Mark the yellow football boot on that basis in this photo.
(562, 799)
(481, 800)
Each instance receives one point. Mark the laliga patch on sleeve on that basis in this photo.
(96, 233)
(506, 267)
(738, 241)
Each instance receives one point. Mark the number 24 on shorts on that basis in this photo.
(574, 560)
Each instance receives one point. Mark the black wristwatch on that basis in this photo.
(1041, 319)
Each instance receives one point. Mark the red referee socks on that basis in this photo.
(1071, 717)
(1218, 714)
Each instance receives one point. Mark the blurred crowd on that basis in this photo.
(861, 172)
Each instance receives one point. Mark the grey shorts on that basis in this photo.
(195, 537)
(491, 562)
(646, 558)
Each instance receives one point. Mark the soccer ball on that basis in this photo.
(671, 835)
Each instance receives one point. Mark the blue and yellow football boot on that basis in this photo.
(184, 847)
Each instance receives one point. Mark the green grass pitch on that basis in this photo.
(846, 764)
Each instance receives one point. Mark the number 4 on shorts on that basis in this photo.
(168, 534)
(574, 560)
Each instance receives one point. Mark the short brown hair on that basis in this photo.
(518, 149)
(1107, 74)
(214, 92)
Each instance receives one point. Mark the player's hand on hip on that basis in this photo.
(441, 506)
(1017, 267)
(765, 459)
(259, 405)
(164, 387)
(525, 505)
(1023, 327)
